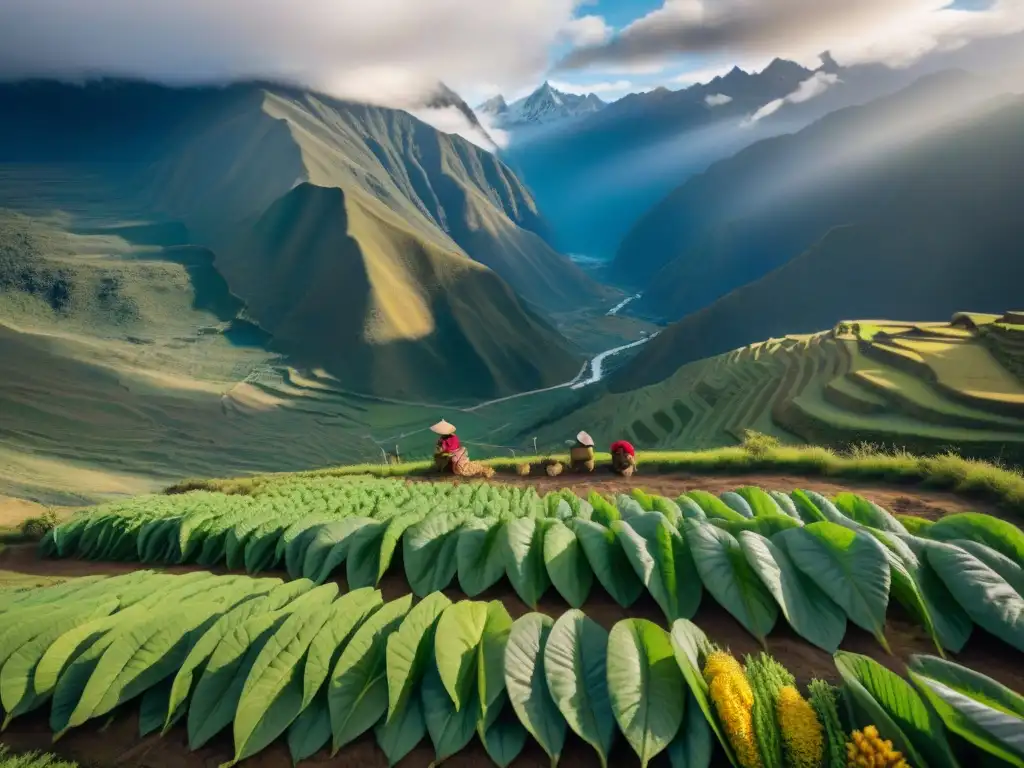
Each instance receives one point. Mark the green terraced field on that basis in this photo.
(926, 387)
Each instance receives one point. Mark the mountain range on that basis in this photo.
(352, 233)
(898, 209)
(544, 106)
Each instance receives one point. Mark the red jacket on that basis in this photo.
(448, 444)
(625, 447)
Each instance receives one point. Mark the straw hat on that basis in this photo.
(443, 428)
(585, 439)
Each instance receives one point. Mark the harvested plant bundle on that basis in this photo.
(824, 700)
(734, 701)
(866, 749)
(767, 679)
(802, 734)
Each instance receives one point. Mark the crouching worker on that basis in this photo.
(623, 458)
(581, 455)
(451, 458)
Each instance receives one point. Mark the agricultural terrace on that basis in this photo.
(924, 386)
(380, 621)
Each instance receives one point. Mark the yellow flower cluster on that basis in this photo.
(869, 750)
(734, 702)
(802, 734)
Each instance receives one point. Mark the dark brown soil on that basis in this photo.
(118, 743)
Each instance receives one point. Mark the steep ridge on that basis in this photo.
(454, 194)
(905, 257)
(351, 287)
(753, 212)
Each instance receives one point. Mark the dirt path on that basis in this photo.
(901, 499)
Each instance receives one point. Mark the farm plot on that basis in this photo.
(292, 662)
(816, 564)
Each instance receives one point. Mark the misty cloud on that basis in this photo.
(717, 99)
(810, 88)
(895, 32)
(380, 51)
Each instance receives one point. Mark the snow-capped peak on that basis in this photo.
(545, 105)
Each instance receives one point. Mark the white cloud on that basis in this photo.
(895, 32)
(717, 99)
(810, 88)
(587, 30)
(618, 86)
(347, 47)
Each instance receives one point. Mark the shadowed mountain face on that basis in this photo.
(404, 261)
(919, 234)
(344, 286)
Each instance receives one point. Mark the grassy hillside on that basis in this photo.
(930, 169)
(926, 387)
(357, 290)
(256, 145)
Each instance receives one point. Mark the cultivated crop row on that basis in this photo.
(292, 660)
(818, 563)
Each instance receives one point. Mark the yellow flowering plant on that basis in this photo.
(867, 749)
(734, 703)
(802, 735)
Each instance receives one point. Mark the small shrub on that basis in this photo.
(758, 443)
(36, 528)
(523, 470)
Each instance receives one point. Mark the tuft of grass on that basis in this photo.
(987, 481)
(31, 760)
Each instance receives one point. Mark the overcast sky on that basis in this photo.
(386, 50)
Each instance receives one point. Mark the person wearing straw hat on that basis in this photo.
(451, 456)
(581, 455)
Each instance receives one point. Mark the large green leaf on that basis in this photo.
(524, 562)
(645, 686)
(311, 730)
(217, 693)
(759, 502)
(503, 738)
(1012, 573)
(399, 733)
(852, 568)
(690, 645)
(272, 696)
(575, 661)
(904, 586)
(17, 678)
(490, 661)
(396, 529)
(865, 512)
(567, 564)
(663, 563)
(694, 745)
(194, 664)
(713, 506)
(450, 729)
(409, 650)
(808, 610)
(1002, 536)
(952, 625)
(363, 560)
(527, 686)
(609, 563)
(737, 503)
(984, 595)
(328, 547)
(891, 703)
(973, 706)
(139, 659)
(806, 509)
(357, 693)
(429, 553)
(480, 553)
(728, 576)
(344, 617)
(456, 640)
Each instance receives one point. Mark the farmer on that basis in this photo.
(623, 458)
(450, 456)
(581, 455)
